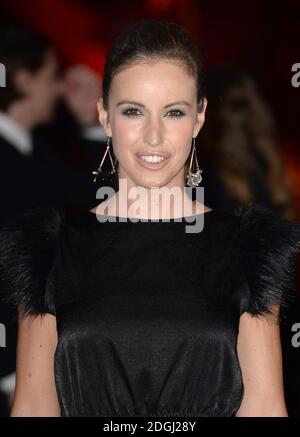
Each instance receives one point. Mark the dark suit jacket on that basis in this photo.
(16, 191)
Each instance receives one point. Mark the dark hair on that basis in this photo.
(19, 49)
(153, 40)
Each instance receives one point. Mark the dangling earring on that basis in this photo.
(104, 173)
(194, 178)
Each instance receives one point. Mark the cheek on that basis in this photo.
(179, 136)
(130, 128)
(127, 136)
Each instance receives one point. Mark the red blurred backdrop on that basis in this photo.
(261, 36)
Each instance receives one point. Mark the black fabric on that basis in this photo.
(16, 185)
(27, 249)
(148, 314)
(268, 249)
(16, 195)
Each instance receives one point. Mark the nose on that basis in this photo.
(153, 133)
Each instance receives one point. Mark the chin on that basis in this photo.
(151, 182)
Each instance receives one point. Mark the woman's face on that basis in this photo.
(152, 111)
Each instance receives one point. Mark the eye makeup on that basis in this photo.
(132, 112)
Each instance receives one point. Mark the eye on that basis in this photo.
(131, 112)
(176, 113)
(134, 112)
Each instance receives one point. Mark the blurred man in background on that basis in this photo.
(32, 169)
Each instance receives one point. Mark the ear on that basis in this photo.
(200, 118)
(103, 117)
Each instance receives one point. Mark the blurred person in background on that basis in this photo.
(76, 132)
(36, 92)
(238, 149)
(32, 170)
(29, 98)
(242, 164)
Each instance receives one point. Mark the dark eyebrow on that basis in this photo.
(179, 102)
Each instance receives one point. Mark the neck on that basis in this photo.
(156, 203)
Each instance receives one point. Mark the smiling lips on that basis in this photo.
(152, 161)
(152, 158)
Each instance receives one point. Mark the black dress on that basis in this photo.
(148, 314)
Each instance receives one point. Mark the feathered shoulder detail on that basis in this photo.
(27, 251)
(268, 249)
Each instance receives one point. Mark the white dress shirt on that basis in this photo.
(15, 134)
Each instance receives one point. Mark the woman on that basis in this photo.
(137, 317)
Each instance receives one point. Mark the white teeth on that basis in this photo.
(152, 158)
